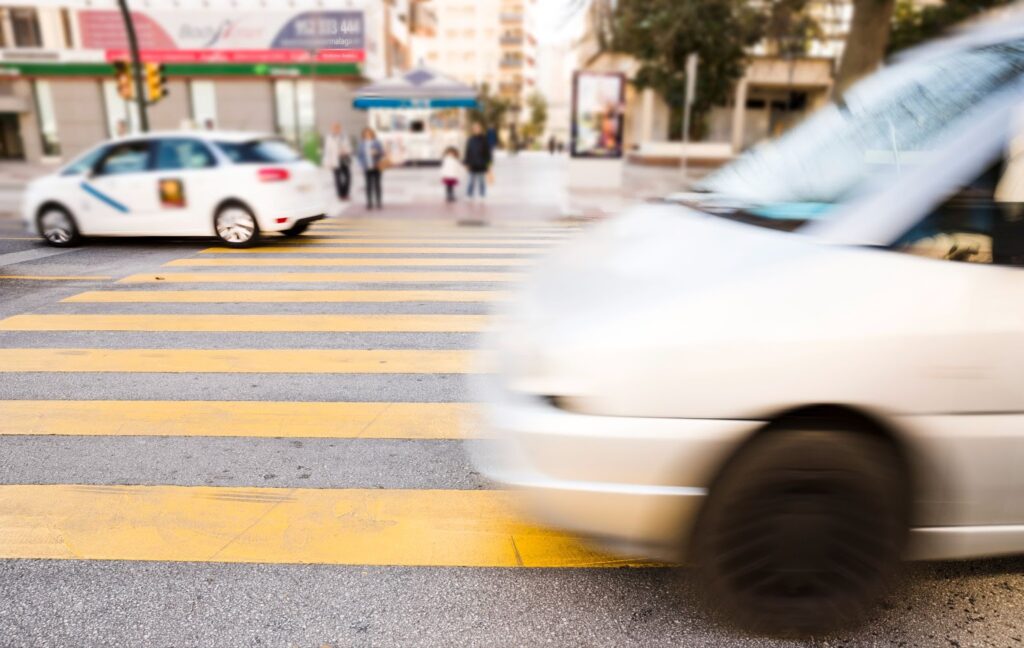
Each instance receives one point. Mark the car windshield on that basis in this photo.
(258, 151)
(881, 127)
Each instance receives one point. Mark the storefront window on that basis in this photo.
(122, 115)
(296, 115)
(47, 118)
(203, 98)
(25, 25)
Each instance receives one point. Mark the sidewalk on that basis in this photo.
(529, 186)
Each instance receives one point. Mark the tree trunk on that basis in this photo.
(866, 43)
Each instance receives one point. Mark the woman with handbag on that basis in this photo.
(373, 161)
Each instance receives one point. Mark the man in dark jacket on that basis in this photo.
(477, 160)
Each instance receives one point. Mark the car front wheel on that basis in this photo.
(58, 228)
(236, 226)
(804, 530)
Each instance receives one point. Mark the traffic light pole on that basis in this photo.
(133, 48)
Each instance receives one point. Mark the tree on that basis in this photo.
(866, 42)
(491, 109)
(913, 24)
(789, 28)
(660, 34)
(538, 106)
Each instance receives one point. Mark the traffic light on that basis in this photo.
(156, 82)
(125, 81)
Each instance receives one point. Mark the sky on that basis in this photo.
(555, 22)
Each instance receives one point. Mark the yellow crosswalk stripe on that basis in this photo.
(319, 249)
(316, 361)
(307, 323)
(322, 277)
(320, 263)
(442, 528)
(541, 242)
(281, 296)
(236, 419)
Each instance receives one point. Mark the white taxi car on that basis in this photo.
(804, 371)
(232, 185)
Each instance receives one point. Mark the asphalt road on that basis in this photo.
(97, 587)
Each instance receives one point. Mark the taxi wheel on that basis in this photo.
(296, 230)
(58, 228)
(236, 226)
(804, 530)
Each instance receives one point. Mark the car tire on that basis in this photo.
(235, 225)
(803, 531)
(57, 227)
(298, 229)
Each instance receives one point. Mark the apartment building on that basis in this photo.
(282, 66)
(479, 42)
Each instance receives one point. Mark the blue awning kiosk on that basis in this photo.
(418, 114)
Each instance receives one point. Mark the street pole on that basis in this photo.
(133, 48)
(691, 91)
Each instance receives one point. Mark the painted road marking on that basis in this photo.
(316, 361)
(236, 419)
(54, 278)
(427, 240)
(281, 296)
(380, 263)
(202, 323)
(32, 255)
(311, 249)
(438, 528)
(322, 277)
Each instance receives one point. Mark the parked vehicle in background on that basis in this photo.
(232, 185)
(809, 368)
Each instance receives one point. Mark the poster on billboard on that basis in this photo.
(597, 114)
(233, 37)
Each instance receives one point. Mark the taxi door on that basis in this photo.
(112, 200)
(184, 184)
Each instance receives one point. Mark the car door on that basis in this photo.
(185, 183)
(977, 451)
(113, 198)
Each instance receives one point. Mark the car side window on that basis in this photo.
(176, 154)
(983, 222)
(128, 157)
(85, 162)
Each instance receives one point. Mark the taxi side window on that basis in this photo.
(177, 154)
(983, 222)
(129, 157)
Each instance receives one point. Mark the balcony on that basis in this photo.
(511, 63)
(510, 17)
(512, 40)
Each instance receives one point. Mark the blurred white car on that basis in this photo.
(804, 371)
(232, 185)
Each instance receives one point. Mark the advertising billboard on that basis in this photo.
(229, 37)
(597, 114)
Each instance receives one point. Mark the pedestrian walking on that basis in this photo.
(552, 145)
(513, 139)
(451, 171)
(337, 158)
(372, 160)
(477, 160)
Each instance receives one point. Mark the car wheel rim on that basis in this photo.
(56, 227)
(236, 225)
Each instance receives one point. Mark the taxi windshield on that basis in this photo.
(881, 127)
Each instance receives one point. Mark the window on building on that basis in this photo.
(25, 25)
(122, 115)
(295, 112)
(203, 101)
(47, 117)
(69, 34)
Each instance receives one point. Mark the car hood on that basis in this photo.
(650, 256)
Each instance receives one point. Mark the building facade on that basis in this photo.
(480, 42)
(276, 66)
